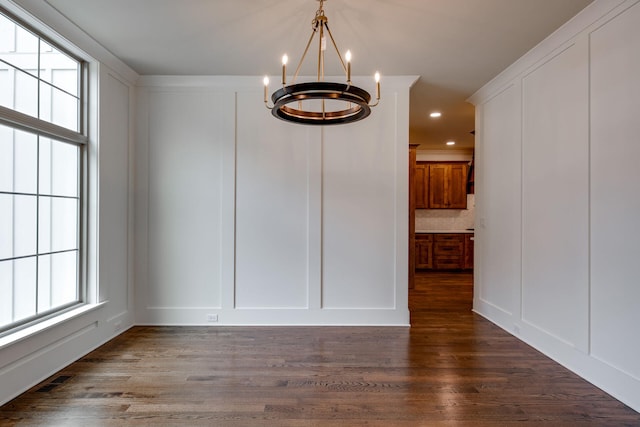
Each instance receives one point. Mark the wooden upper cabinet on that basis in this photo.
(437, 186)
(421, 186)
(447, 186)
(457, 191)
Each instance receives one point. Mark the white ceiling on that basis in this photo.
(455, 46)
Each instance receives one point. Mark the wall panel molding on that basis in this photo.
(292, 198)
(577, 224)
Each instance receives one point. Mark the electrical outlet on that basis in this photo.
(212, 318)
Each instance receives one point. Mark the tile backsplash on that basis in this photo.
(446, 219)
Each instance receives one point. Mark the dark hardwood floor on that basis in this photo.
(451, 368)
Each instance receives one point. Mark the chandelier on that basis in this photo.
(320, 102)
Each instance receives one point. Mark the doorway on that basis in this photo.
(441, 223)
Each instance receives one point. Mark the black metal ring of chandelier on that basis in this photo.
(354, 95)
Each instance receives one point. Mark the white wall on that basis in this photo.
(37, 353)
(557, 211)
(259, 221)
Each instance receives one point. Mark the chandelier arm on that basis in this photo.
(306, 49)
(335, 46)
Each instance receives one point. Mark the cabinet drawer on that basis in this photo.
(447, 262)
(459, 238)
(448, 251)
(448, 247)
(424, 237)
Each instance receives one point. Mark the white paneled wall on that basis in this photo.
(259, 221)
(185, 165)
(557, 229)
(555, 187)
(361, 171)
(498, 205)
(115, 214)
(274, 163)
(615, 180)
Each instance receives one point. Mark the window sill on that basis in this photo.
(47, 324)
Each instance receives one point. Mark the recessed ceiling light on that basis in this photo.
(435, 114)
(451, 143)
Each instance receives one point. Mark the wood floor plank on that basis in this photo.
(451, 368)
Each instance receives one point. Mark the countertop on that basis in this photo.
(444, 231)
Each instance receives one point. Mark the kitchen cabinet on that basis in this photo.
(421, 186)
(440, 185)
(467, 264)
(444, 251)
(448, 251)
(448, 186)
(424, 251)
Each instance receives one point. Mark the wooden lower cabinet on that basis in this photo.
(424, 251)
(448, 251)
(468, 251)
(444, 251)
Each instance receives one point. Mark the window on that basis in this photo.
(42, 151)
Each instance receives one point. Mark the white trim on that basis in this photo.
(556, 40)
(172, 316)
(239, 83)
(46, 325)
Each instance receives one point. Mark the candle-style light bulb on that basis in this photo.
(348, 58)
(285, 59)
(377, 77)
(266, 88)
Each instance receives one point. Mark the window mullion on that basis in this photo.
(37, 221)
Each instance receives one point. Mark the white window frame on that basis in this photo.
(20, 121)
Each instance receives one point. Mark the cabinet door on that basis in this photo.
(468, 251)
(421, 186)
(437, 186)
(424, 251)
(456, 189)
(448, 186)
